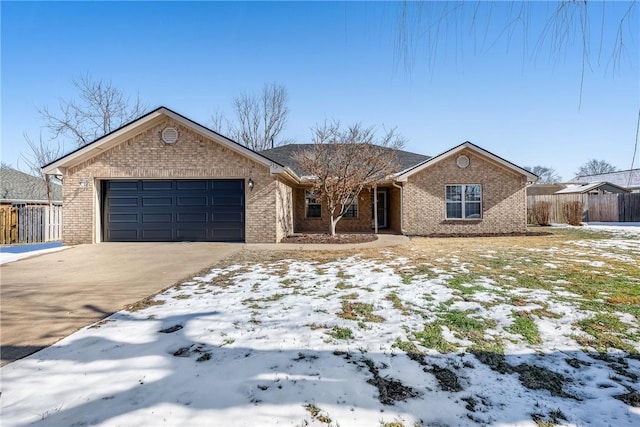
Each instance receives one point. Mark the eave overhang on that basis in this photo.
(60, 166)
(403, 176)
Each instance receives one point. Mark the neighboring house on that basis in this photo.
(629, 179)
(544, 189)
(19, 188)
(164, 177)
(592, 188)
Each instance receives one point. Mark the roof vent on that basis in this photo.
(462, 161)
(169, 135)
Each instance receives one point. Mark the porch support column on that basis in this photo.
(375, 209)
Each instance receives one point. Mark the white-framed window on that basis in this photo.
(312, 205)
(464, 201)
(352, 210)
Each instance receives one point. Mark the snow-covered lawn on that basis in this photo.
(443, 332)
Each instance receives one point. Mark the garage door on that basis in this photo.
(173, 210)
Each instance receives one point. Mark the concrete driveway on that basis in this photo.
(47, 297)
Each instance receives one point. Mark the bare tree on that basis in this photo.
(219, 122)
(259, 118)
(99, 108)
(546, 175)
(40, 154)
(595, 167)
(600, 31)
(342, 162)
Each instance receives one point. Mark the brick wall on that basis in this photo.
(503, 198)
(393, 206)
(145, 156)
(360, 224)
(284, 210)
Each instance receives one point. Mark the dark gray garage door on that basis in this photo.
(173, 210)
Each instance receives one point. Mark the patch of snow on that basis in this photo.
(7, 257)
(628, 318)
(251, 345)
(618, 228)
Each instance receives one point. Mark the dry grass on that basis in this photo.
(603, 280)
(144, 303)
(353, 310)
(624, 300)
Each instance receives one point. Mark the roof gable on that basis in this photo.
(143, 123)
(405, 174)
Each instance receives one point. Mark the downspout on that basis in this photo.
(401, 205)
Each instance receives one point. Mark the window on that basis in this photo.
(312, 205)
(464, 201)
(352, 210)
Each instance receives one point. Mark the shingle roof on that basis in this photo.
(284, 155)
(627, 179)
(16, 186)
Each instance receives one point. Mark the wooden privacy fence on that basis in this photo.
(597, 208)
(30, 224)
(8, 225)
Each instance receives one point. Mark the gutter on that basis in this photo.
(29, 202)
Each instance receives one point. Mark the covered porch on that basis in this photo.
(312, 216)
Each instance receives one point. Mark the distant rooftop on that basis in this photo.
(544, 189)
(20, 187)
(606, 187)
(628, 179)
(284, 155)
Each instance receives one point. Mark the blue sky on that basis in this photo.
(338, 60)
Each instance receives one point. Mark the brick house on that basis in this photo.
(164, 177)
(21, 189)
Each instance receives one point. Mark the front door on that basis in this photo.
(382, 207)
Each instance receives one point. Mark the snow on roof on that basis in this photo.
(585, 188)
(627, 178)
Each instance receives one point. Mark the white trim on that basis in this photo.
(98, 212)
(463, 202)
(585, 188)
(463, 161)
(30, 202)
(405, 174)
(170, 135)
(87, 151)
(59, 166)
